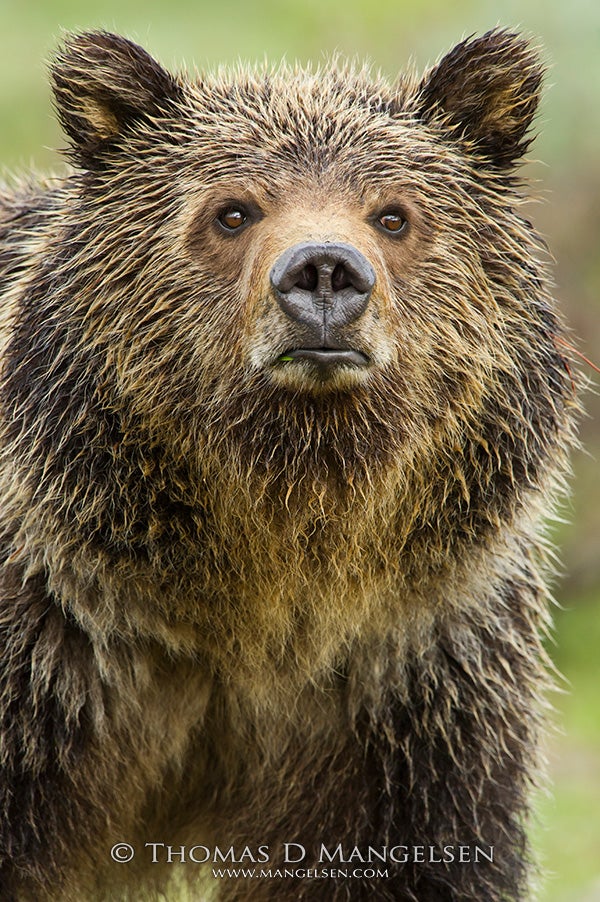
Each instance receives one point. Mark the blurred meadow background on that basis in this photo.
(390, 33)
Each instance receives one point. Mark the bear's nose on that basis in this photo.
(323, 286)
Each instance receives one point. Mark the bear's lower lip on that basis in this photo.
(325, 359)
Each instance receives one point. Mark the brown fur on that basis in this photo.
(241, 605)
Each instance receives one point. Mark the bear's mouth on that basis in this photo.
(325, 360)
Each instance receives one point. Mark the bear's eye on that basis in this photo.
(232, 218)
(392, 221)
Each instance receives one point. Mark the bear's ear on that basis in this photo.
(484, 93)
(102, 84)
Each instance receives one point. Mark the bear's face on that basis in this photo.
(310, 265)
(269, 247)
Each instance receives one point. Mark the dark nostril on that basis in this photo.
(308, 278)
(340, 278)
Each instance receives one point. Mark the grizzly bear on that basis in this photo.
(284, 404)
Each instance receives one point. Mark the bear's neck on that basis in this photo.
(249, 555)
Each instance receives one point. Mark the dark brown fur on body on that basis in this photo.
(243, 603)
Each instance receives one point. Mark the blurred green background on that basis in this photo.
(390, 33)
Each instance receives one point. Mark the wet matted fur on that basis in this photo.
(244, 604)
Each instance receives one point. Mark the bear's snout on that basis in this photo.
(323, 287)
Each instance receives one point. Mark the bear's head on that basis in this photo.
(312, 262)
